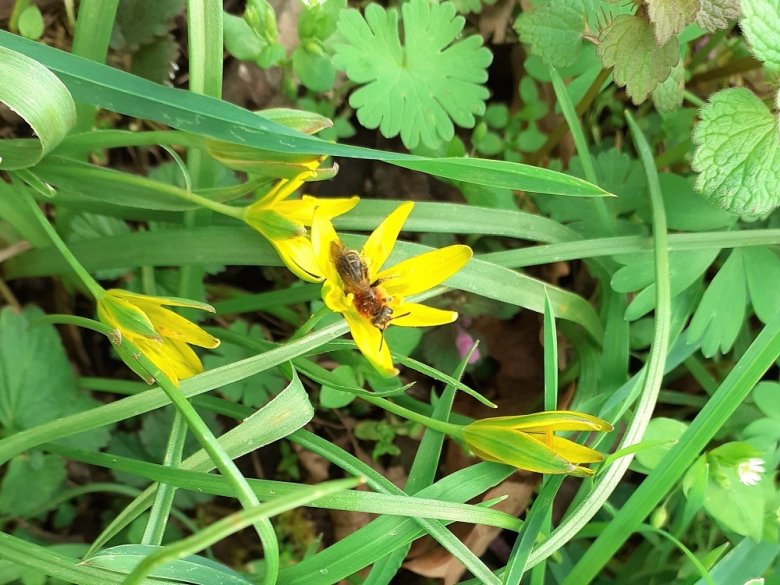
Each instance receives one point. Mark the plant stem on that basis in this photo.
(85, 277)
(215, 451)
(453, 430)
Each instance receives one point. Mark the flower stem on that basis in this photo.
(215, 451)
(453, 430)
(85, 277)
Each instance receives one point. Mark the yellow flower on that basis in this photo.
(283, 223)
(159, 334)
(370, 298)
(527, 441)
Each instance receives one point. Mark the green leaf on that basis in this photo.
(766, 395)
(738, 153)
(140, 21)
(670, 17)
(762, 266)
(420, 88)
(554, 30)
(190, 569)
(51, 115)
(685, 268)
(333, 398)
(659, 429)
(156, 61)
(738, 507)
(316, 71)
(121, 92)
(668, 95)
(30, 482)
(240, 40)
(687, 210)
(628, 44)
(37, 383)
(31, 22)
(469, 6)
(254, 390)
(717, 14)
(761, 25)
(721, 312)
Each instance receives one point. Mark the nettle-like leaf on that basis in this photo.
(628, 44)
(717, 14)
(668, 96)
(671, 16)
(738, 153)
(420, 88)
(554, 30)
(761, 25)
(141, 21)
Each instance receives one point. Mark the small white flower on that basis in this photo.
(751, 470)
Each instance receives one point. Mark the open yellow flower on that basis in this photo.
(283, 223)
(370, 298)
(528, 441)
(159, 334)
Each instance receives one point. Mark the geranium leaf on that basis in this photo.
(554, 30)
(738, 154)
(419, 88)
(628, 44)
(721, 312)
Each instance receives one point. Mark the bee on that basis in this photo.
(368, 299)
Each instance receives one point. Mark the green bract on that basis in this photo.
(419, 88)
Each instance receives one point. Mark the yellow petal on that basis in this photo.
(380, 243)
(335, 299)
(175, 327)
(144, 300)
(369, 341)
(569, 450)
(417, 315)
(302, 210)
(322, 235)
(298, 255)
(174, 359)
(283, 189)
(425, 271)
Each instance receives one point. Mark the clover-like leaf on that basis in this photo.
(717, 14)
(738, 153)
(761, 25)
(628, 44)
(554, 30)
(419, 88)
(671, 16)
